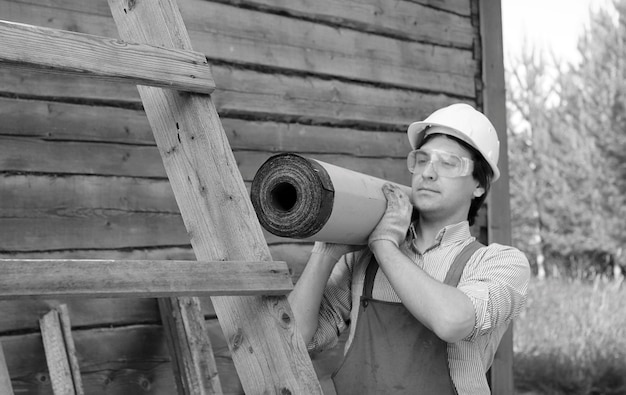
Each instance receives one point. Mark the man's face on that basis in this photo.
(439, 196)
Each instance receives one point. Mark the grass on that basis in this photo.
(571, 339)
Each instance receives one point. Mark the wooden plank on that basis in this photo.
(445, 23)
(56, 354)
(122, 360)
(249, 37)
(378, 16)
(268, 352)
(98, 230)
(246, 94)
(53, 121)
(66, 329)
(240, 35)
(313, 100)
(55, 157)
(33, 155)
(62, 15)
(125, 360)
(499, 211)
(33, 47)
(194, 352)
(5, 378)
(91, 237)
(23, 315)
(116, 278)
(462, 7)
(38, 195)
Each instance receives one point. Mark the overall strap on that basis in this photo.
(370, 275)
(456, 270)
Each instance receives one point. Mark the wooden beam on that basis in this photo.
(66, 329)
(5, 378)
(499, 210)
(192, 352)
(56, 278)
(57, 354)
(59, 51)
(267, 349)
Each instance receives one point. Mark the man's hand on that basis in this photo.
(335, 251)
(395, 222)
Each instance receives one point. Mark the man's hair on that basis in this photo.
(482, 173)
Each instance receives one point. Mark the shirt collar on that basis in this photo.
(450, 234)
(454, 233)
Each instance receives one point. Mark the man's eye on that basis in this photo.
(451, 162)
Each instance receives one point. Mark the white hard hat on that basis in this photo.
(463, 122)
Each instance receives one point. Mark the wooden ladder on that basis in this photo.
(234, 265)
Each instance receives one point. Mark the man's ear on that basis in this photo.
(479, 191)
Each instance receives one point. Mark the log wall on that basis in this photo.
(81, 177)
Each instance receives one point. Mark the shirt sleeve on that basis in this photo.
(335, 308)
(496, 281)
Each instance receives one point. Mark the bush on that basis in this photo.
(571, 339)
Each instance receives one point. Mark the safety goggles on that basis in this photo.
(444, 163)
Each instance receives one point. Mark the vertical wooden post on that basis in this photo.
(194, 365)
(268, 352)
(5, 378)
(499, 210)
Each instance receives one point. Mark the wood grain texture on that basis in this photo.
(119, 361)
(192, 353)
(19, 154)
(5, 378)
(413, 20)
(57, 121)
(56, 354)
(499, 210)
(377, 16)
(302, 82)
(72, 359)
(34, 47)
(269, 354)
(22, 314)
(114, 361)
(254, 94)
(53, 227)
(249, 37)
(45, 279)
(400, 44)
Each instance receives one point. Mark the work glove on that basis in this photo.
(394, 224)
(336, 251)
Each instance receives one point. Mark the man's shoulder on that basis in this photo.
(499, 251)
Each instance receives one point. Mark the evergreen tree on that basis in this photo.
(567, 142)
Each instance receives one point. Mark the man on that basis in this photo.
(420, 321)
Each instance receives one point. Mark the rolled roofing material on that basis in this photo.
(304, 198)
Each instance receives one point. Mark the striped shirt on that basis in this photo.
(495, 279)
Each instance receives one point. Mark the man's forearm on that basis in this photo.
(443, 309)
(306, 297)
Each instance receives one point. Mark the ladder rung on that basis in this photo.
(52, 278)
(41, 48)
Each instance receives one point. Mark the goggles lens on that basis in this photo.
(444, 163)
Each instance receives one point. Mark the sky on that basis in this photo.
(547, 24)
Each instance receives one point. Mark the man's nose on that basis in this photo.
(429, 171)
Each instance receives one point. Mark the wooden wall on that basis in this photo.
(81, 177)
